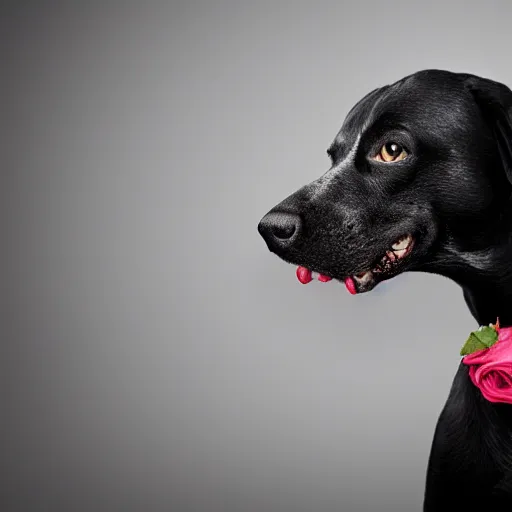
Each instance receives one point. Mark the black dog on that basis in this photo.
(421, 180)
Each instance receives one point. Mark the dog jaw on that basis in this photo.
(387, 266)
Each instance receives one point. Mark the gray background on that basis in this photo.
(155, 356)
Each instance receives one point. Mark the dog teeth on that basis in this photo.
(391, 256)
(401, 254)
(402, 244)
(364, 277)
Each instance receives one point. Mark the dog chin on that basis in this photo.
(389, 265)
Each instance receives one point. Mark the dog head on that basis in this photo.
(420, 180)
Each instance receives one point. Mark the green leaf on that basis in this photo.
(472, 345)
(487, 335)
(484, 338)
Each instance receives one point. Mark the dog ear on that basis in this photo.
(495, 102)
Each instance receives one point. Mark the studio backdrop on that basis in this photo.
(155, 355)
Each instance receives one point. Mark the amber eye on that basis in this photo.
(391, 152)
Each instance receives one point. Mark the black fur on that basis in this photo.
(453, 194)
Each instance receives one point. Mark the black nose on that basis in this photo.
(280, 229)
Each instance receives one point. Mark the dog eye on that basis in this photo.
(391, 152)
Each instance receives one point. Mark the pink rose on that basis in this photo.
(490, 369)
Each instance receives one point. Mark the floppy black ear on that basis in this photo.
(495, 102)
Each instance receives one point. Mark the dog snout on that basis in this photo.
(280, 229)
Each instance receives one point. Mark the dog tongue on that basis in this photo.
(305, 276)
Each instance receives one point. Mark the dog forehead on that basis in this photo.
(428, 89)
(427, 98)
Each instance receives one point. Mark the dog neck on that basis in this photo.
(489, 303)
(484, 274)
(487, 282)
(487, 288)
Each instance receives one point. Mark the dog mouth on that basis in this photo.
(386, 266)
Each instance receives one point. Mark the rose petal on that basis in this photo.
(495, 385)
(491, 369)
